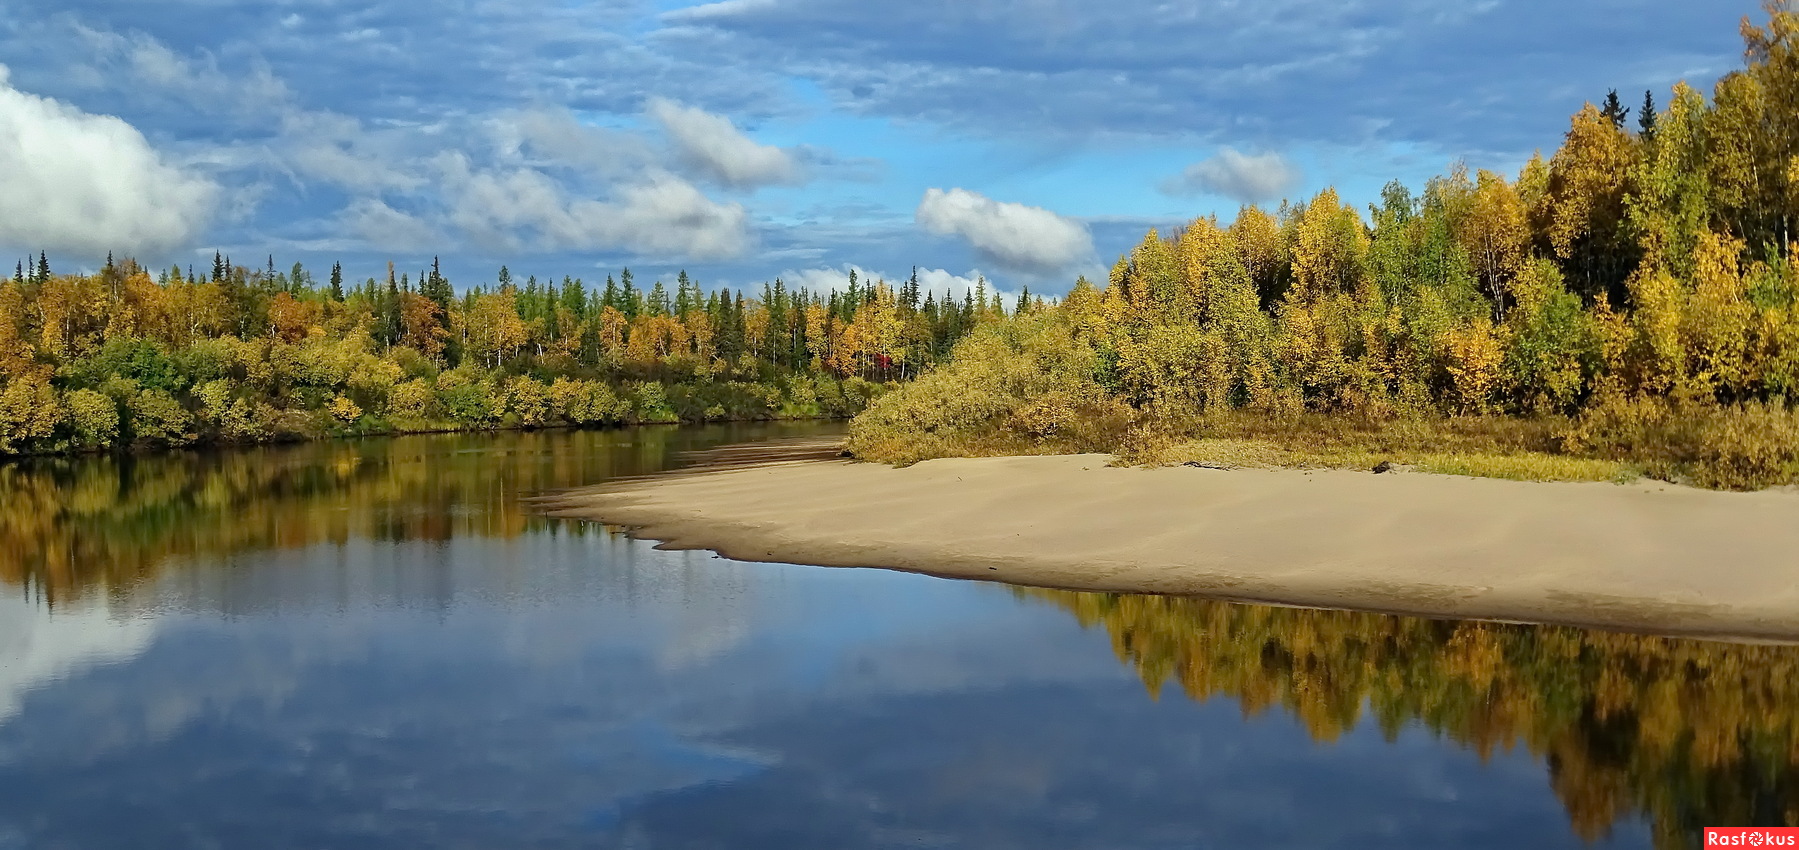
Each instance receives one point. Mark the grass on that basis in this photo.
(1264, 454)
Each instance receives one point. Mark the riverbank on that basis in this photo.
(1644, 556)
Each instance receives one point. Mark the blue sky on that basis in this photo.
(1028, 141)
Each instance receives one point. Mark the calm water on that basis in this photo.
(375, 644)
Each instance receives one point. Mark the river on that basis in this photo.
(378, 643)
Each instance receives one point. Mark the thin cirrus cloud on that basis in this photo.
(73, 181)
(1014, 236)
(1244, 178)
(1460, 78)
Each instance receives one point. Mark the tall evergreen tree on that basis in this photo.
(628, 294)
(337, 282)
(610, 297)
(43, 267)
(1646, 116)
(1614, 110)
(218, 267)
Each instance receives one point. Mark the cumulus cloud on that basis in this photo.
(939, 282)
(384, 227)
(666, 215)
(1245, 178)
(662, 214)
(1014, 236)
(714, 146)
(72, 181)
(552, 136)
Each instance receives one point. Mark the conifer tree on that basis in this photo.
(1614, 110)
(337, 282)
(43, 267)
(1646, 116)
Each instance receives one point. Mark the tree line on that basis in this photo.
(236, 354)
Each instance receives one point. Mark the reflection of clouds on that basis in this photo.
(38, 647)
(566, 691)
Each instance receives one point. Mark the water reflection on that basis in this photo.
(73, 527)
(1691, 733)
(375, 644)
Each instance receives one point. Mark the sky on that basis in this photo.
(1023, 141)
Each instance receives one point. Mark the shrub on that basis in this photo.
(94, 417)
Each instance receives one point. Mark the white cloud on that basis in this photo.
(669, 216)
(551, 136)
(662, 214)
(1015, 236)
(88, 184)
(1244, 178)
(713, 145)
(384, 227)
(935, 281)
(150, 64)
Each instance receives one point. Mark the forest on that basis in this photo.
(120, 358)
(1630, 300)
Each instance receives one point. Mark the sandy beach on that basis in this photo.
(1643, 557)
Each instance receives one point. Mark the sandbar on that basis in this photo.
(1647, 556)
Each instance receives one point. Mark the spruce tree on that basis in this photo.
(43, 267)
(337, 282)
(1646, 116)
(218, 267)
(18, 275)
(1614, 110)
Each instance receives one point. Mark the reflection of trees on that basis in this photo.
(1689, 733)
(75, 526)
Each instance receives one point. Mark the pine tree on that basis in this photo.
(1614, 110)
(505, 277)
(390, 310)
(218, 267)
(1024, 301)
(435, 287)
(658, 299)
(43, 267)
(1646, 116)
(337, 282)
(18, 275)
(632, 299)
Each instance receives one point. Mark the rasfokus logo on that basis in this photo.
(1751, 836)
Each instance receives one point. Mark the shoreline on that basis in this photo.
(1641, 557)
